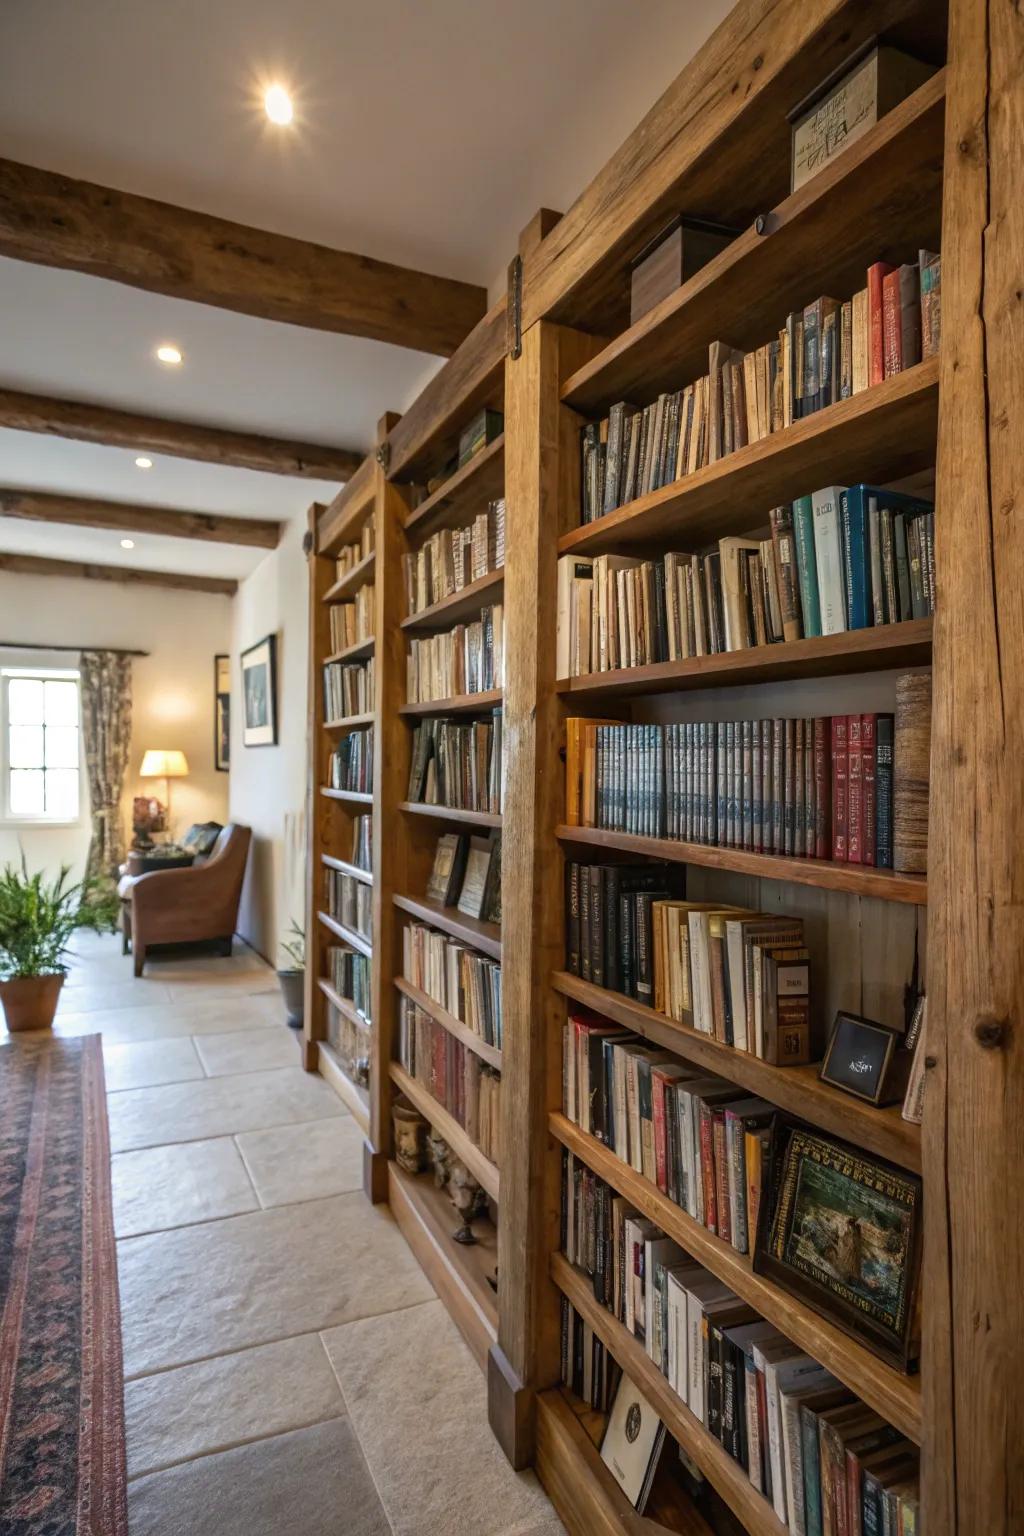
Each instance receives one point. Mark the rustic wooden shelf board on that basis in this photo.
(463, 494)
(489, 1053)
(344, 1005)
(485, 937)
(347, 935)
(459, 1274)
(352, 1096)
(855, 879)
(450, 813)
(458, 605)
(481, 1167)
(896, 1397)
(858, 650)
(350, 723)
(882, 434)
(798, 1090)
(345, 867)
(357, 651)
(349, 796)
(358, 576)
(459, 704)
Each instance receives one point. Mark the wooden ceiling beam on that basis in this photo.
(87, 512)
(37, 565)
(111, 428)
(58, 221)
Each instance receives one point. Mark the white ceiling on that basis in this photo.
(426, 134)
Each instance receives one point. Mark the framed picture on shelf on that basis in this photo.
(866, 1059)
(222, 713)
(259, 694)
(841, 1230)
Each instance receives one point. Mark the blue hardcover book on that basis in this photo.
(812, 1472)
(856, 557)
(807, 570)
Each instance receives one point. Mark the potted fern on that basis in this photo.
(38, 918)
(291, 975)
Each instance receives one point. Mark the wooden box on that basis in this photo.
(669, 259)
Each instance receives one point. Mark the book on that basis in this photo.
(911, 754)
(829, 559)
(449, 865)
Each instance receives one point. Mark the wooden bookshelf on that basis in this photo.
(460, 704)
(896, 1397)
(357, 577)
(343, 1005)
(451, 813)
(484, 936)
(352, 1096)
(464, 494)
(348, 796)
(855, 879)
(458, 605)
(455, 1027)
(798, 1090)
(481, 1167)
(859, 650)
(345, 867)
(350, 723)
(349, 936)
(359, 650)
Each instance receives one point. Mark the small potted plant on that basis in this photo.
(292, 975)
(38, 918)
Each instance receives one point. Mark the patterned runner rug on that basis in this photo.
(62, 1448)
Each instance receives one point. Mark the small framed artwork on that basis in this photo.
(842, 1230)
(259, 694)
(222, 713)
(866, 1059)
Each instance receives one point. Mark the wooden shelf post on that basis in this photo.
(318, 809)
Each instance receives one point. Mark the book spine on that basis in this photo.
(707, 1168)
(854, 791)
(876, 351)
(892, 338)
(869, 789)
(883, 791)
(840, 806)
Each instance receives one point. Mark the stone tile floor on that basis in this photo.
(287, 1364)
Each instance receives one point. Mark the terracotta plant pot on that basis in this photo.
(30, 1002)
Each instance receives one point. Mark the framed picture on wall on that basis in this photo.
(222, 713)
(259, 694)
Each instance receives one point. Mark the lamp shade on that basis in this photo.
(160, 764)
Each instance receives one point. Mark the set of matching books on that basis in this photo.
(351, 763)
(350, 902)
(352, 621)
(836, 560)
(465, 983)
(457, 764)
(700, 1139)
(819, 788)
(453, 1075)
(348, 688)
(452, 558)
(466, 659)
(824, 353)
(588, 1368)
(467, 874)
(362, 842)
(350, 555)
(349, 974)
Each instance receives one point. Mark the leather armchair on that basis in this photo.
(185, 906)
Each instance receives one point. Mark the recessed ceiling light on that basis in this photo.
(278, 105)
(127, 543)
(169, 354)
(143, 463)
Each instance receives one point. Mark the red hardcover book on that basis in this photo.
(721, 1176)
(868, 742)
(707, 1167)
(876, 354)
(892, 325)
(840, 775)
(854, 792)
(822, 790)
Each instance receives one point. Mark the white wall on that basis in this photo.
(172, 687)
(268, 784)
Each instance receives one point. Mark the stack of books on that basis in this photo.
(466, 659)
(457, 764)
(349, 974)
(350, 555)
(839, 559)
(453, 1075)
(466, 984)
(823, 353)
(352, 622)
(452, 558)
(818, 788)
(348, 688)
(351, 763)
(350, 902)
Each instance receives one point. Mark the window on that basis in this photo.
(40, 747)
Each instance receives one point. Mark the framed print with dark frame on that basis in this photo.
(866, 1059)
(222, 713)
(841, 1230)
(259, 694)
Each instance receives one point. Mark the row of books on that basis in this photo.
(350, 555)
(479, 431)
(740, 976)
(362, 842)
(453, 1075)
(352, 621)
(465, 983)
(350, 902)
(348, 971)
(452, 558)
(824, 353)
(837, 560)
(350, 1042)
(823, 1460)
(458, 764)
(466, 874)
(350, 766)
(348, 688)
(821, 787)
(466, 659)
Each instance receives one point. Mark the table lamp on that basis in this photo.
(158, 763)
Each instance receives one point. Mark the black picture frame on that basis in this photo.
(840, 1229)
(259, 693)
(222, 713)
(866, 1059)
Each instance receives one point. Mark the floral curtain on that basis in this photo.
(106, 727)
